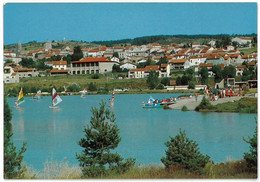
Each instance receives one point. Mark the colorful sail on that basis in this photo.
(55, 98)
(20, 99)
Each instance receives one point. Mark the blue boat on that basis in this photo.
(152, 103)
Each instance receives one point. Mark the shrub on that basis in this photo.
(160, 86)
(74, 88)
(92, 87)
(251, 156)
(191, 85)
(205, 104)
(184, 153)
(165, 81)
(96, 76)
(184, 108)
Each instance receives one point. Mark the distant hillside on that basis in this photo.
(161, 39)
(168, 39)
(34, 45)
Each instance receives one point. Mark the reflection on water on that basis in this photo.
(56, 132)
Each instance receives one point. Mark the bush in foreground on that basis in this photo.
(184, 153)
(251, 156)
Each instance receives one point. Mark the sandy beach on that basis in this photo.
(191, 103)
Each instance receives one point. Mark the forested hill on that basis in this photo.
(167, 39)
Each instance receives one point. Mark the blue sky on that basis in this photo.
(113, 21)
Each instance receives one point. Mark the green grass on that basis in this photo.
(227, 170)
(249, 50)
(244, 105)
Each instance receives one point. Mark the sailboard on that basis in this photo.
(55, 99)
(20, 99)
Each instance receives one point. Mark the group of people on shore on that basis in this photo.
(215, 94)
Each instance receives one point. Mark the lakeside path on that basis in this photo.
(191, 104)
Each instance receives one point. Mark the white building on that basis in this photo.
(10, 76)
(91, 65)
(128, 66)
(115, 59)
(243, 40)
(59, 65)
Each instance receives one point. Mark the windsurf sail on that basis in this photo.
(38, 95)
(20, 99)
(84, 93)
(55, 98)
(151, 100)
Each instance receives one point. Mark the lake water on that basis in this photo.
(53, 134)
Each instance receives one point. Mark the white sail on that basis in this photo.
(57, 100)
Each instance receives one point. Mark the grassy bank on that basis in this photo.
(244, 105)
(227, 170)
(135, 86)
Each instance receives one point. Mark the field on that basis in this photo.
(248, 51)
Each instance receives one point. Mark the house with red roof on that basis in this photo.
(179, 64)
(91, 65)
(163, 70)
(243, 40)
(240, 69)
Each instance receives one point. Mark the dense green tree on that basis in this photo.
(191, 85)
(165, 81)
(116, 68)
(153, 79)
(92, 86)
(115, 54)
(184, 153)
(13, 159)
(217, 73)
(178, 81)
(204, 75)
(27, 62)
(229, 72)
(184, 80)
(8, 61)
(101, 138)
(162, 60)
(77, 55)
(74, 88)
(251, 156)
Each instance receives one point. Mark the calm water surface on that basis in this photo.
(53, 134)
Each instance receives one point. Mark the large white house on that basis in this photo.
(243, 40)
(128, 66)
(91, 65)
(59, 65)
(163, 70)
(10, 76)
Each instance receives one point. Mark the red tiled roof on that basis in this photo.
(251, 63)
(59, 71)
(57, 62)
(206, 64)
(92, 59)
(177, 61)
(242, 66)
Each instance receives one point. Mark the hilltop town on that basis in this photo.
(137, 61)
